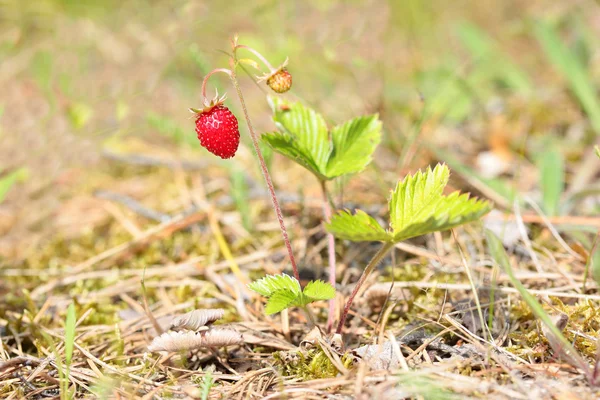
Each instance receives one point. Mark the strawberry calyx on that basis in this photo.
(273, 72)
(209, 104)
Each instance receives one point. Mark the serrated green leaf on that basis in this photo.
(318, 290)
(353, 145)
(271, 284)
(285, 144)
(357, 227)
(306, 126)
(415, 198)
(280, 300)
(304, 138)
(418, 206)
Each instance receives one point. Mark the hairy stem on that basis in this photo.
(265, 172)
(214, 71)
(257, 54)
(330, 253)
(370, 267)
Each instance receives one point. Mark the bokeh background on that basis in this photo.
(94, 99)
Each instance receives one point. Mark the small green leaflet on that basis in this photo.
(273, 283)
(303, 137)
(417, 207)
(280, 300)
(283, 292)
(360, 227)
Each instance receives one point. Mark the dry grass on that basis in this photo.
(113, 198)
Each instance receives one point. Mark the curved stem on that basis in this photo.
(330, 253)
(256, 53)
(370, 267)
(214, 71)
(265, 171)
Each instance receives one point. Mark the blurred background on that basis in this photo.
(94, 104)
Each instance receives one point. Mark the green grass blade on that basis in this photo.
(239, 192)
(207, 384)
(572, 69)
(552, 180)
(486, 52)
(70, 334)
(8, 181)
(499, 255)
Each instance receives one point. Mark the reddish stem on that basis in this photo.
(330, 253)
(370, 267)
(214, 71)
(265, 171)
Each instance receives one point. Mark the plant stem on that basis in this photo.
(370, 267)
(214, 71)
(310, 315)
(330, 253)
(265, 171)
(257, 54)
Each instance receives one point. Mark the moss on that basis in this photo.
(309, 364)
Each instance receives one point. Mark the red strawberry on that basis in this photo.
(217, 129)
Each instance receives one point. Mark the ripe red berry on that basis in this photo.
(218, 131)
(280, 81)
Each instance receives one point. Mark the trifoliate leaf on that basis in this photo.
(418, 206)
(304, 138)
(306, 127)
(271, 284)
(358, 227)
(353, 145)
(318, 290)
(280, 300)
(285, 144)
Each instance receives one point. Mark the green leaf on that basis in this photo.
(358, 227)
(597, 151)
(280, 300)
(304, 138)
(271, 284)
(353, 145)
(418, 206)
(285, 144)
(552, 173)
(318, 290)
(306, 126)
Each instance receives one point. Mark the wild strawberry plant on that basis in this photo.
(417, 205)
(343, 150)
